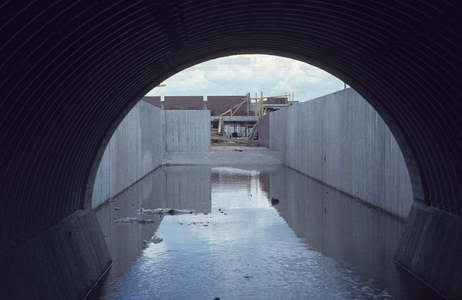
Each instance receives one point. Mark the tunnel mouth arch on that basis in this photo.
(416, 181)
(69, 72)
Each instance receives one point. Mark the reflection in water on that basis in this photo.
(169, 187)
(315, 243)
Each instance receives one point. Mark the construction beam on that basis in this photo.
(248, 103)
(237, 141)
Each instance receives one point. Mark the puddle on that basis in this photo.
(248, 234)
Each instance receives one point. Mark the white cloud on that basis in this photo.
(239, 74)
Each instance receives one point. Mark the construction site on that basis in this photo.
(233, 119)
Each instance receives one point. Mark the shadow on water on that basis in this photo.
(314, 242)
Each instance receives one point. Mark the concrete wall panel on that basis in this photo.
(340, 139)
(66, 262)
(139, 145)
(431, 249)
(187, 131)
(136, 148)
(263, 131)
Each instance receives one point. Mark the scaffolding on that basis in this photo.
(220, 136)
(259, 109)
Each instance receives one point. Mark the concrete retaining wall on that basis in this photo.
(136, 148)
(264, 131)
(66, 261)
(340, 140)
(141, 142)
(431, 248)
(187, 130)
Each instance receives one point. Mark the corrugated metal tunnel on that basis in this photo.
(70, 71)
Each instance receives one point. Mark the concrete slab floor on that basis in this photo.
(224, 155)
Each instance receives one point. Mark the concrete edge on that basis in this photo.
(237, 155)
(64, 262)
(107, 200)
(431, 249)
(363, 202)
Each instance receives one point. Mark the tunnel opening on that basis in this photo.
(273, 65)
(146, 238)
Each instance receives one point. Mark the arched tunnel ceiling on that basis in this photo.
(70, 71)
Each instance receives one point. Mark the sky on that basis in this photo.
(239, 74)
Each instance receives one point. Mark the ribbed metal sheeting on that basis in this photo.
(70, 70)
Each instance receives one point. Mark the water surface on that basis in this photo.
(312, 243)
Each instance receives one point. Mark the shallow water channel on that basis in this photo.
(226, 239)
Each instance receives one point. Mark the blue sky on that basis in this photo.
(239, 74)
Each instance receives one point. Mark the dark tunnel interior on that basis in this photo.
(71, 70)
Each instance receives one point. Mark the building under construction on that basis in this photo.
(232, 117)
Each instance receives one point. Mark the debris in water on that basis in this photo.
(157, 240)
(154, 239)
(247, 276)
(147, 221)
(127, 220)
(132, 220)
(163, 211)
(274, 201)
